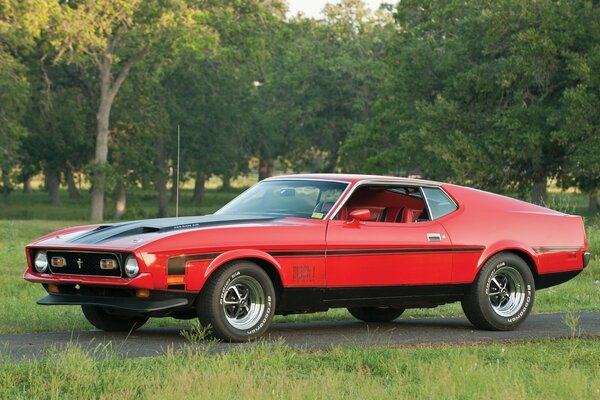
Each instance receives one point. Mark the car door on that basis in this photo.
(368, 253)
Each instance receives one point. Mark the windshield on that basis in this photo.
(293, 198)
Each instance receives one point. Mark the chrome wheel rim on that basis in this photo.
(506, 291)
(243, 302)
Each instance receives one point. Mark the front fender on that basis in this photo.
(239, 255)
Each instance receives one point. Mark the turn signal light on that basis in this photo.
(107, 263)
(53, 289)
(175, 280)
(142, 293)
(58, 261)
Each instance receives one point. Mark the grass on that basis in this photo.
(537, 369)
(140, 204)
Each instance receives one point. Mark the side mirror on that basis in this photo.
(362, 214)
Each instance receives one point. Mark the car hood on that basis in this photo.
(116, 234)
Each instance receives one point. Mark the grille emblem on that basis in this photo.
(79, 263)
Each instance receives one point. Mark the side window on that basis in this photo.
(439, 202)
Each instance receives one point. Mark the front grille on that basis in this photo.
(85, 263)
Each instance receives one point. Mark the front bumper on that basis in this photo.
(119, 299)
(126, 304)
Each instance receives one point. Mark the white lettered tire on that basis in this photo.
(502, 295)
(237, 302)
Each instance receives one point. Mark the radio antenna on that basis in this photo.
(177, 180)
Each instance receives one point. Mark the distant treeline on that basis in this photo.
(500, 95)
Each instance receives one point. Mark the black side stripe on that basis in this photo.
(376, 251)
(553, 249)
(297, 253)
(176, 265)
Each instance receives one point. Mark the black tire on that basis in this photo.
(375, 314)
(102, 318)
(251, 297)
(490, 306)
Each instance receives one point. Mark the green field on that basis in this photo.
(538, 369)
(528, 370)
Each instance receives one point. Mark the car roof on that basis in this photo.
(356, 178)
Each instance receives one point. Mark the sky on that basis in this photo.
(312, 8)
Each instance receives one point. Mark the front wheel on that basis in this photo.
(237, 302)
(108, 320)
(375, 314)
(502, 295)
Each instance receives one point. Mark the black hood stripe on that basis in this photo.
(107, 233)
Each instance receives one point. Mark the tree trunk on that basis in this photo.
(53, 182)
(72, 186)
(538, 194)
(161, 179)
(102, 132)
(593, 201)
(6, 187)
(46, 182)
(329, 166)
(121, 202)
(163, 198)
(27, 185)
(199, 188)
(226, 182)
(174, 184)
(109, 88)
(265, 168)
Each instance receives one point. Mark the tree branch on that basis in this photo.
(125, 70)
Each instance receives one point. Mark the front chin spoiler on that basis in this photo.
(120, 303)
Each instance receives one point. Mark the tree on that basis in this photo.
(321, 81)
(580, 130)
(213, 96)
(113, 36)
(14, 90)
(476, 92)
(59, 122)
(142, 125)
(17, 35)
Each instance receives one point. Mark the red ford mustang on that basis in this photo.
(303, 243)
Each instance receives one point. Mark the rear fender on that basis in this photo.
(508, 245)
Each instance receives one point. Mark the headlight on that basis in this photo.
(131, 267)
(41, 262)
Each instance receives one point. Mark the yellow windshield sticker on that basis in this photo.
(317, 215)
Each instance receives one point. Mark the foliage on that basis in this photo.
(14, 90)
(501, 95)
(478, 92)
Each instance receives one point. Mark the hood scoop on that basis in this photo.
(105, 233)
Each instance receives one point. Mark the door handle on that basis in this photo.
(434, 237)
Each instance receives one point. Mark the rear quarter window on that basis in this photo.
(439, 202)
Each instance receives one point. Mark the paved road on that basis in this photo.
(311, 336)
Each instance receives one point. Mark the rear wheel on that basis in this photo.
(376, 314)
(238, 302)
(502, 295)
(109, 320)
